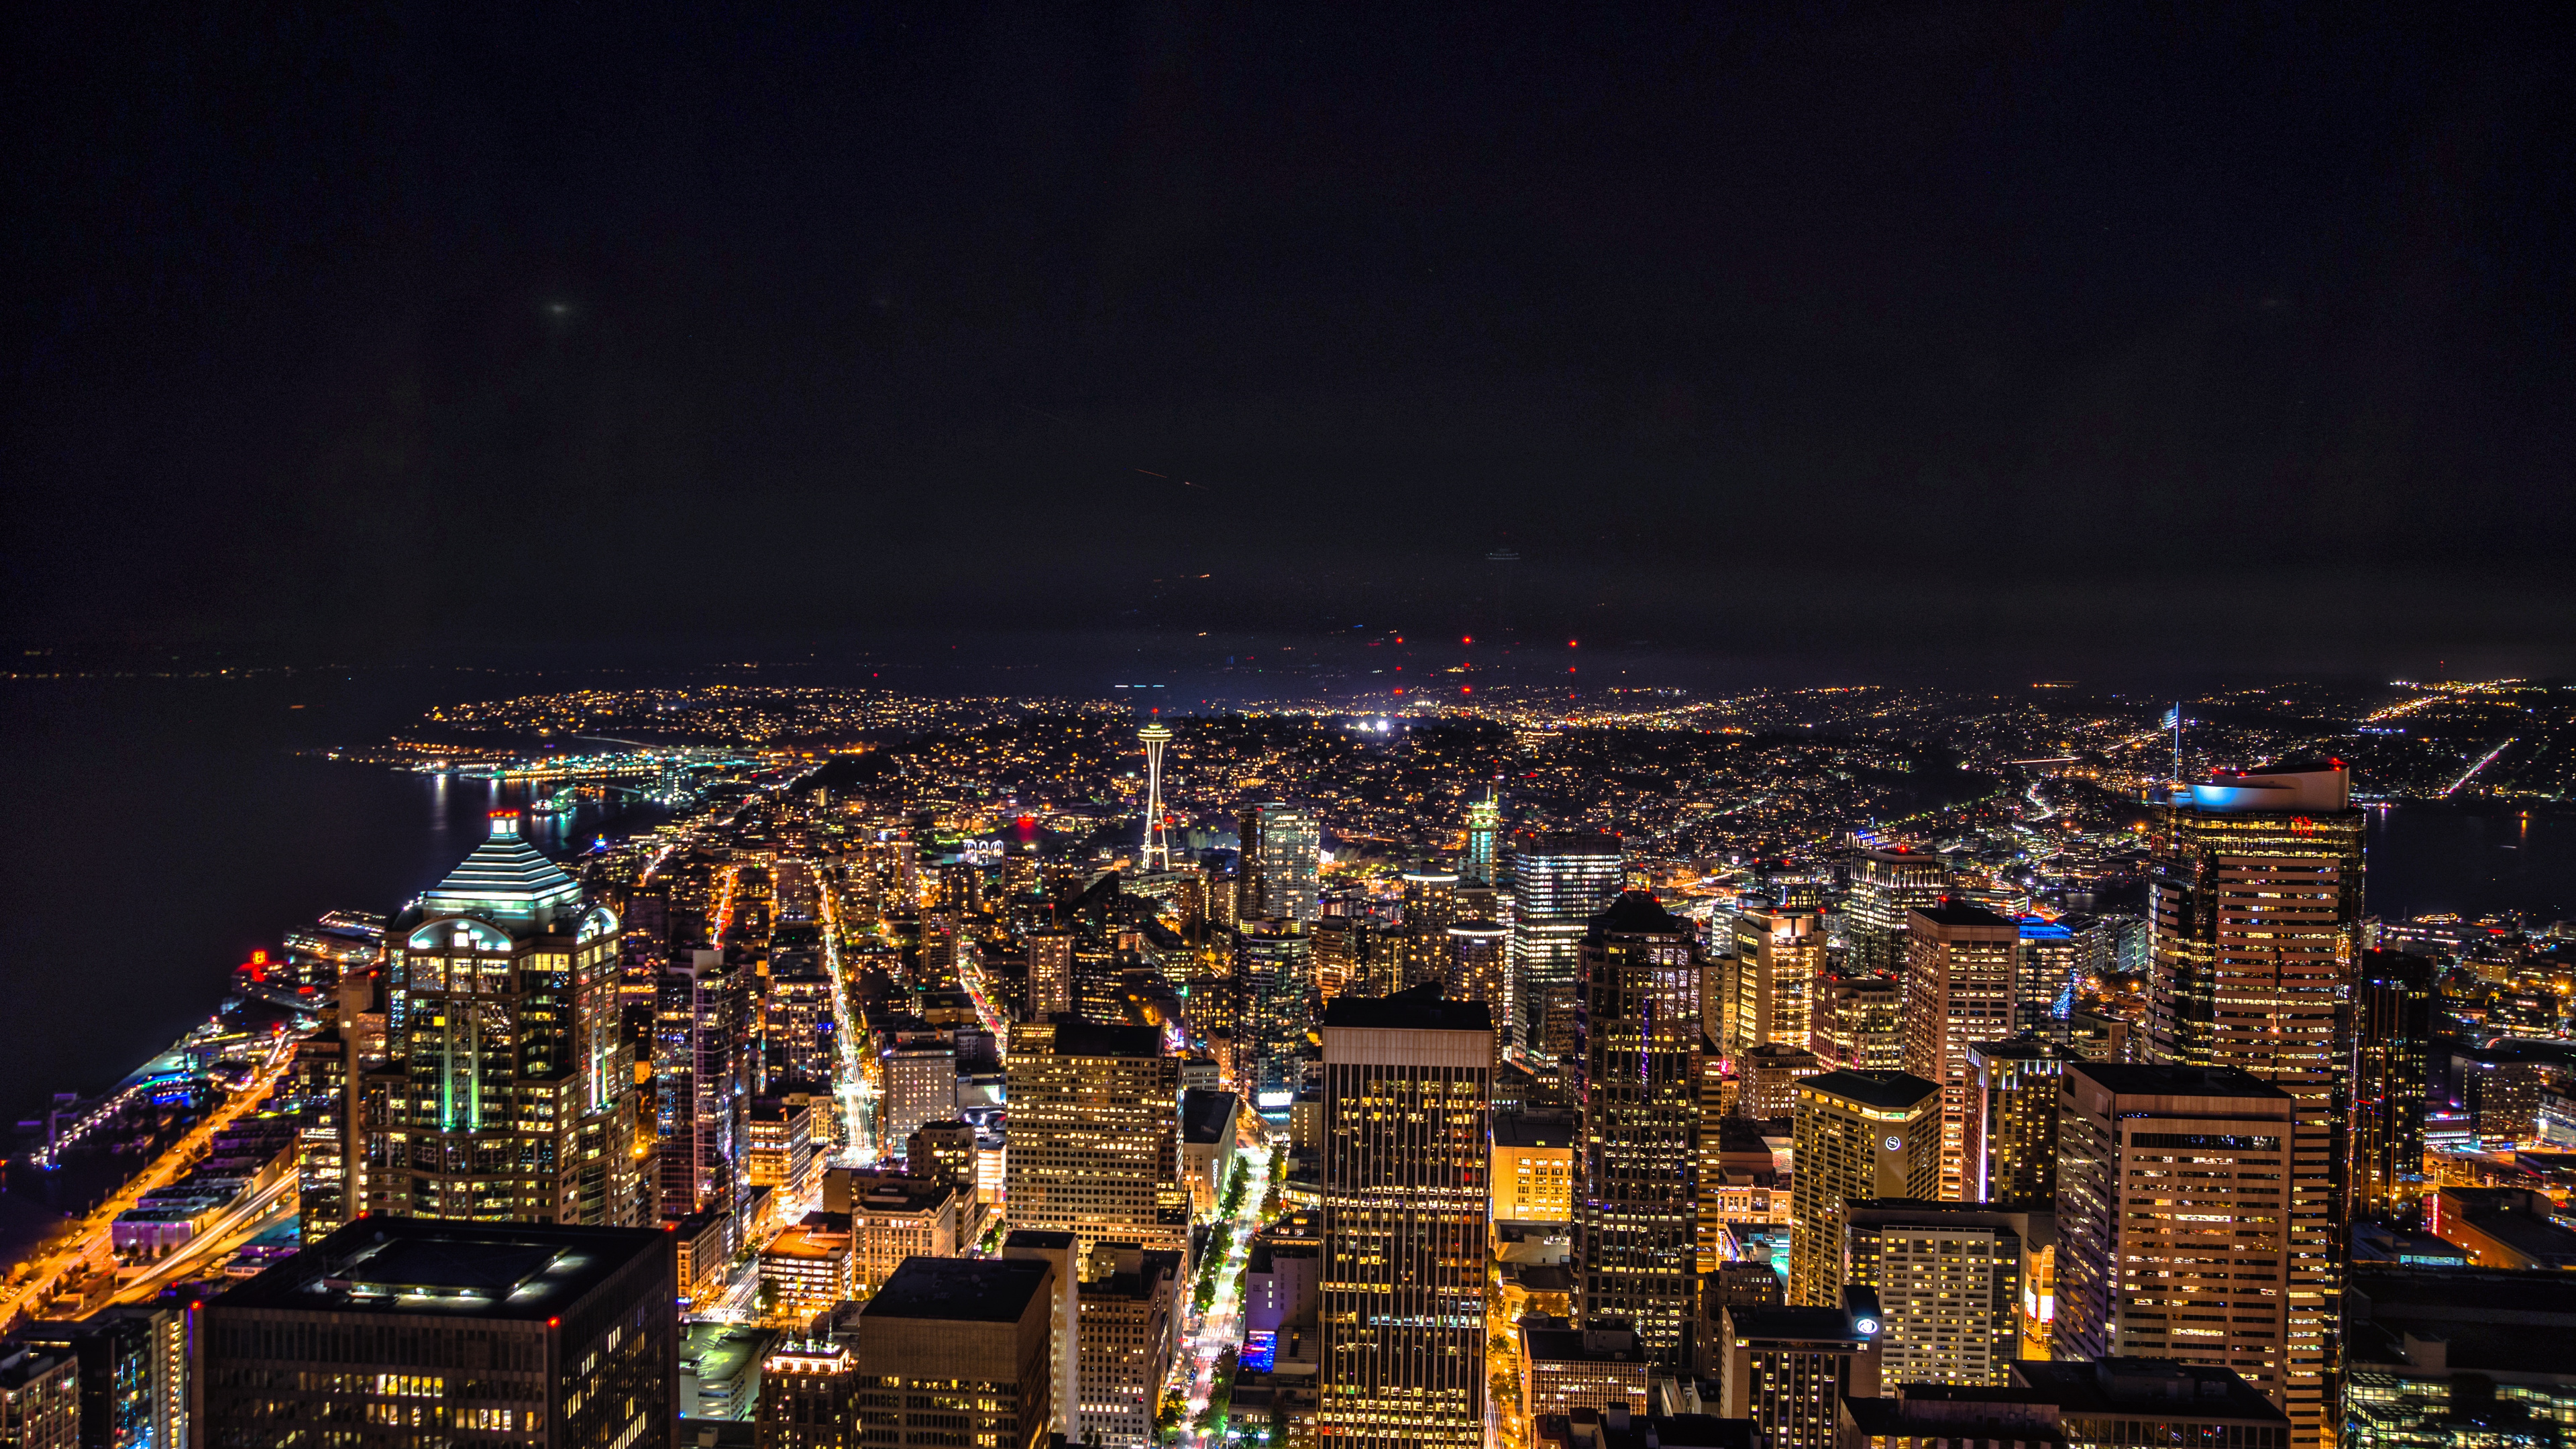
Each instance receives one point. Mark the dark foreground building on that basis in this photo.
(409, 1333)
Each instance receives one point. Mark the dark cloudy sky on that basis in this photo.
(2135, 329)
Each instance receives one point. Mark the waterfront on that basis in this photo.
(161, 830)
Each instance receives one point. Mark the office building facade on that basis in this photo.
(1860, 1135)
(1095, 1135)
(1958, 990)
(508, 1094)
(1560, 881)
(1282, 862)
(1636, 1219)
(1408, 1082)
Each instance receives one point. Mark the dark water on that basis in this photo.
(155, 832)
(158, 831)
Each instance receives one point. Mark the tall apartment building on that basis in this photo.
(1859, 1022)
(1095, 1135)
(1958, 990)
(491, 1332)
(1560, 881)
(1274, 962)
(1769, 991)
(2392, 1032)
(1430, 909)
(1050, 973)
(1477, 964)
(2256, 898)
(701, 1084)
(1790, 1369)
(1885, 885)
(2045, 974)
(1129, 1316)
(1950, 1279)
(1408, 1082)
(958, 1350)
(1860, 1135)
(1282, 862)
(1636, 1218)
(2173, 1228)
(808, 1397)
(40, 1397)
(2011, 1147)
(509, 1090)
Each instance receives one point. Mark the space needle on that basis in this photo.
(1158, 838)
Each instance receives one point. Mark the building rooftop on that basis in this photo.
(1419, 1009)
(2474, 1320)
(1042, 1238)
(1638, 913)
(1966, 913)
(2134, 1386)
(1076, 1038)
(506, 879)
(1804, 1324)
(2134, 1080)
(465, 1270)
(1555, 1340)
(1887, 1091)
(2024, 1420)
(1535, 1129)
(959, 1290)
(1208, 1116)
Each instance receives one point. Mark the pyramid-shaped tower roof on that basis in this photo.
(505, 879)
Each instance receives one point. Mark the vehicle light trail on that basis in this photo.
(2473, 769)
(852, 1086)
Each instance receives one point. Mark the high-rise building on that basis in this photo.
(701, 1088)
(1050, 973)
(2173, 1228)
(40, 1398)
(2047, 971)
(1636, 1218)
(1958, 989)
(1129, 1314)
(2392, 1031)
(1274, 962)
(1560, 881)
(1859, 1135)
(2256, 898)
(1095, 1135)
(1859, 1022)
(1061, 1252)
(1408, 1081)
(509, 1093)
(958, 1350)
(2011, 1148)
(1779, 953)
(1789, 1369)
(1767, 1077)
(1282, 860)
(1950, 1279)
(1430, 909)
(133, 1364)
(809, 1393)
(1478, 964)
(1482, 861)
(1533, 1168)
(1885, 885)
(493, 1332)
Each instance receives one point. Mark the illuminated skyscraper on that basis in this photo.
(1483, 860)
(701, 1086)
(1779, 953)
(1430, 908)
(1859, 1135)
(1949, 1278)
(1885, 885)
(508, 1094)
(1408, 1083)
(1275, 967)
(1859, 1022)
(1282, 862)
(2011, 1148)
(1095, 1135)
(1157, 854)
(1560, 881)
(1958, 987)
(2392, 1031)
(1476, 963)
(2173, 1229)
(1636, 1218)
(2256, 899)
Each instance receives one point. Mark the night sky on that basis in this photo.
(2088, 335)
